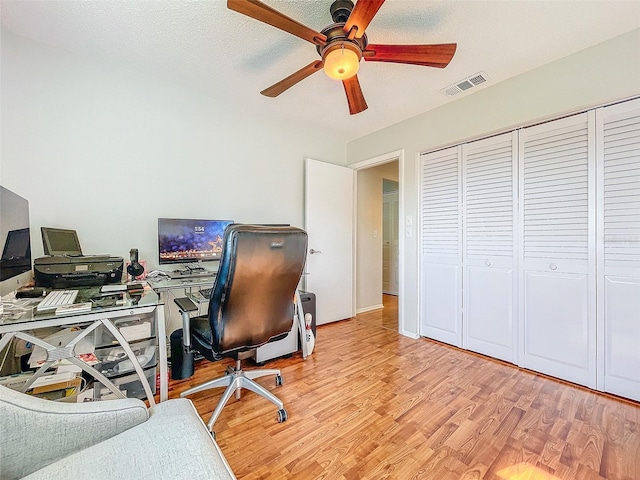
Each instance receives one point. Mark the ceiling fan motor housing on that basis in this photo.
(340, 10)
(336, 37)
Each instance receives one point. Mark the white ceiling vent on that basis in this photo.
(466, 84)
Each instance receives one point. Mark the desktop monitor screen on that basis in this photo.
(15, 264)
(189, 240)
(17, 245)
(60, 241)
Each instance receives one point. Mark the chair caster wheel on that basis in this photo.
(279, 380)
(282, 415)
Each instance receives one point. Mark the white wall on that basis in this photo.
(369, 234)
(107, 151)
(597, 75)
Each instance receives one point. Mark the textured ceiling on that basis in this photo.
(205, 47)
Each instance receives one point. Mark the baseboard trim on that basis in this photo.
(369, 309)
(413, 335)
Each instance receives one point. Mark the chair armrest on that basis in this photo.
(37, 432)
(186, 305)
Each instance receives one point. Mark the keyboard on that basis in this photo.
(57, 298)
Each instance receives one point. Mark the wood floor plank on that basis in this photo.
(372, 404)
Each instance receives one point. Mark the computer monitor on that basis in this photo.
(15, 264)
(183, 240)
(60, 241)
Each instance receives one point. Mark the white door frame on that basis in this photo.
(374, 162)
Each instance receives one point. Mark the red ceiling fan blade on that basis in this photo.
(361, 16)
(437, 56)
(286, 83)
(355, 97)
(264, 13)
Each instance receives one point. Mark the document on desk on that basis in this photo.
(113, 288)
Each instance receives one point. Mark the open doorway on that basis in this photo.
(377, 246)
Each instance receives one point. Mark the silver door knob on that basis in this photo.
(312, 251)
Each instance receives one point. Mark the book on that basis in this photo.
(61, 391)
(53, 378)
(16, 381)
(113, 288)
(62, 385)
(73, 308)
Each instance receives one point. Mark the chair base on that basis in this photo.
(235, 380)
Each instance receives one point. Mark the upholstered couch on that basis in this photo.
(110, 440)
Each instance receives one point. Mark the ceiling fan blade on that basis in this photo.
(286, 83)
(264, 13)
(355, 97)
(437, 56)
(361, 16)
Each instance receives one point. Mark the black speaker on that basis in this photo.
(134, 269)
(181, 362)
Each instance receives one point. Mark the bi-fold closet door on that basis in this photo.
(530, 247)
(618, 205)
(557, 225)
(489, 181)
(468, 249)
(441, 246)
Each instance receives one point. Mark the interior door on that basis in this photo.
(390, 243)
(329, 222)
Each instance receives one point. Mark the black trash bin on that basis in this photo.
(181, 362)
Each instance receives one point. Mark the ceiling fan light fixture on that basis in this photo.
(341, 60)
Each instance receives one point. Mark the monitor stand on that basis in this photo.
(195, 268)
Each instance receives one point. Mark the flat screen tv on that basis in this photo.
(15, 264)
(183, 240)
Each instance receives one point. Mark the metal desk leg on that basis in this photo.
(161, 332)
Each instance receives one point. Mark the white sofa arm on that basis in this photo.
(37, 432)
(173, 444)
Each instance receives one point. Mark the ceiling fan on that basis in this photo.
(342, 45)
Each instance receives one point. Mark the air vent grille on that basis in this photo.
(466, 84)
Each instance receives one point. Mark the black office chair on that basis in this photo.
(251, 304)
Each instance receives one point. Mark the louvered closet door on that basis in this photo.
(557, 207)
(488, 246)
(441, 242)
(618, 135)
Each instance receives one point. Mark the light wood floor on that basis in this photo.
(372, 404)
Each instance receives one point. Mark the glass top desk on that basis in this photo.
(21, 320)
